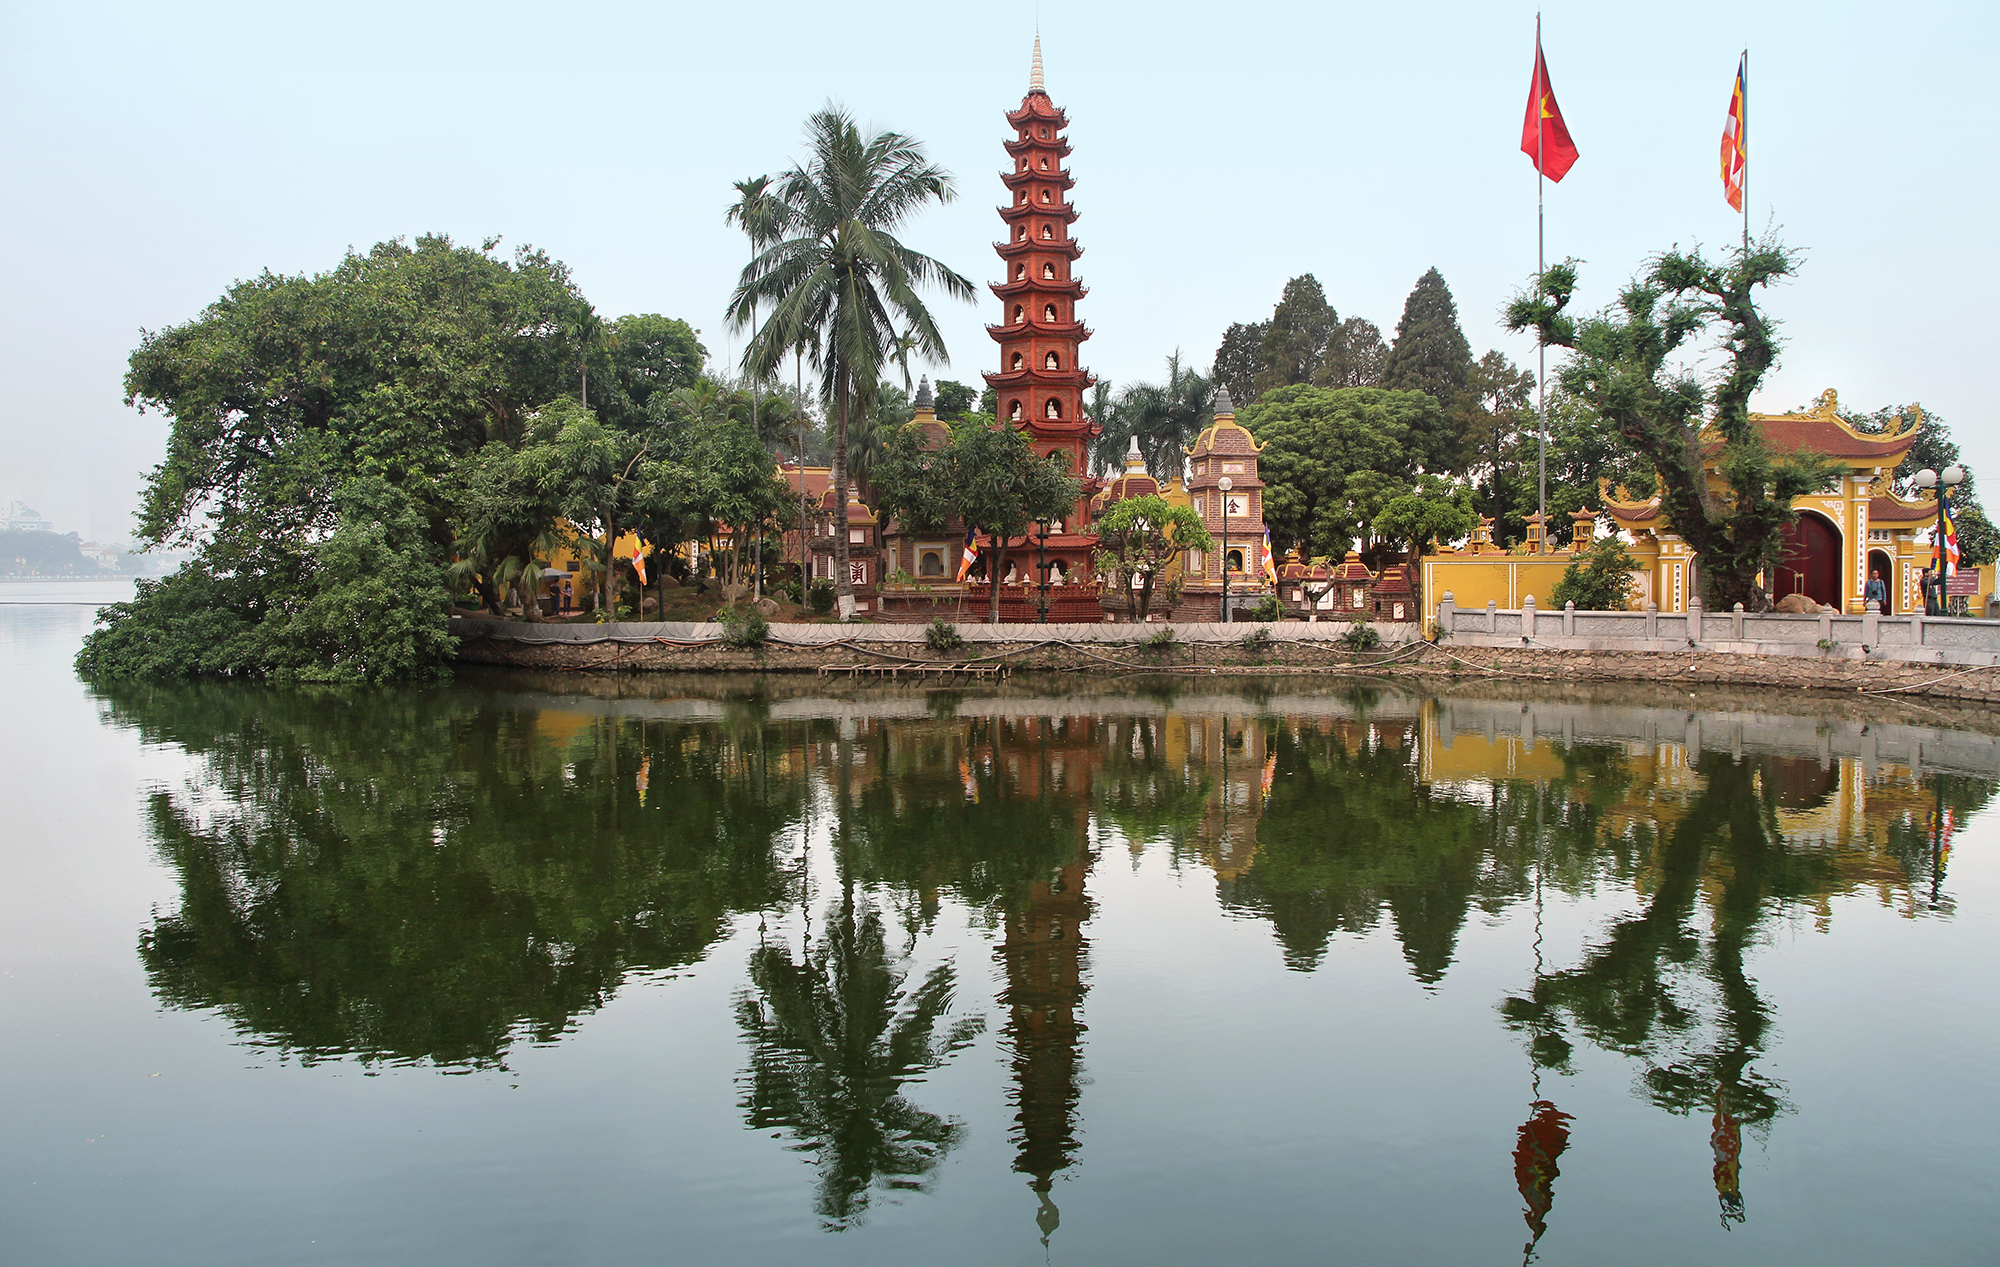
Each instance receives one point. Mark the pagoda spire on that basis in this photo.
(1035, 83)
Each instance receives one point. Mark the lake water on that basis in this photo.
(553, 970)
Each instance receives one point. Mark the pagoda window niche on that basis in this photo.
(1014, 411)
(1020, 196)
(1045, 195)
(1048, 272)
(1236, 560)
(1020, 314)
(1017, 363)
(1055, 408)
(1020, 233)
(1045, 162)
(1052, 362)
(1049, 313)
(1048, 233)
(1020, 272)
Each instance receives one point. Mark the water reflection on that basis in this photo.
(434, 877)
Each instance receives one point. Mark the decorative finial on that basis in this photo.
(1035, 74)
(1223, 405)
(1134, 460)
(924, 398)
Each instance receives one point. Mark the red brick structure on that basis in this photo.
(1040, 383)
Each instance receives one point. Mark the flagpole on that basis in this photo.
(1743, 142)
(1541, 266)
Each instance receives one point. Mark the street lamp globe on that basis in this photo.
(1225, 483)
(1926, 478)
(1953, 476)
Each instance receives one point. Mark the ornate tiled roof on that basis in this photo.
(1822, 430)
(1894, 510)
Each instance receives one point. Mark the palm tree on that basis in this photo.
(754, 213)
(1167, 416)
(838, 282)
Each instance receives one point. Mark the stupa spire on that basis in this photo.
(1035, 83)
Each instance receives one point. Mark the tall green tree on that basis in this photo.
(1430, 355)
(1356, 357)
(1624, 366)
(1299, 338)
(954, 400)
(1332, 458)
(1239, 360)
(837, 283)
(1166, 417)
(1001, 488)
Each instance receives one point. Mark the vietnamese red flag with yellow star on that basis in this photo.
(1544, 135)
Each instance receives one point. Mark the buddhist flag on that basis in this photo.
(639, 558)
(1270, 563)
(1736, 138)
(1544, 135)
(1945, 548)
(968, 558)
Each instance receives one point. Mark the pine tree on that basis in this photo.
(1431, 355)
(1298, 337)
(1238, 360)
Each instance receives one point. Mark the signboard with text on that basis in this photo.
(1962, 584)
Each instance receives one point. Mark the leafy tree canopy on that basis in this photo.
(1332, 458)
(1139, 537)
(1433, 510)
(1600, 579)
(1431, 355)
(1624, 366)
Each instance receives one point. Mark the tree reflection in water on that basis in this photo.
(434, 876)
(408, 878)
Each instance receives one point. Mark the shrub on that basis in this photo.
(942, 636)
(791, 592)
(1161, 639)
(746, 628)
(1360, 636)
(820, 597)
(1257, 641)
(1599, 579)
(1268, 609)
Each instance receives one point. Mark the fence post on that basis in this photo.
(1569, 619)
(1652, 620)
(1492, 618)
(1447, 613)
(1826, 624)
(1736, 623)
(1527, 618)
(1871, 626)
(1695, 629)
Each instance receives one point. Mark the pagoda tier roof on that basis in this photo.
(1037, 107)
(1057, 428)
(1822, 430)
(1028, 246)
(1894, 510)
(1060, 330)
(1055, 210)
(1394, 580)
(1058, 145)
(1040, 285)
(1026, 176)
(1024, 377)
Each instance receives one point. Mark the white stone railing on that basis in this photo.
(1924, 639)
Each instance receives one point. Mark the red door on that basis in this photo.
(1810, 562)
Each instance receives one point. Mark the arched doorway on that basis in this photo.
(1879, 561)
(1809, 563)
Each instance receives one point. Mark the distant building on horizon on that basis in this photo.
(22, 517)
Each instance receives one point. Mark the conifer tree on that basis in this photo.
(1298, 337)
(1430, 355)
(1239, 359)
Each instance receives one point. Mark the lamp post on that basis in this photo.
(1951, 478)
(1042, 564)
(1223, 486)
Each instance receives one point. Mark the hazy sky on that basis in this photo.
(156, 153)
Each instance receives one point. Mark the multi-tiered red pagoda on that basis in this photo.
(1040, 383)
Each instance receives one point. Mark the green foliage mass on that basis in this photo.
(1139, 537)
(1600, 579)
(1333, 458)
(1625, 366)
(1431, 355)
(1432, 510)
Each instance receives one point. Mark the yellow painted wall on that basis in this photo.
(1501, 579)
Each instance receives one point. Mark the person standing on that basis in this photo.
(1876, 594)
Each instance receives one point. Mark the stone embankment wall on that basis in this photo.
(1295, 648)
